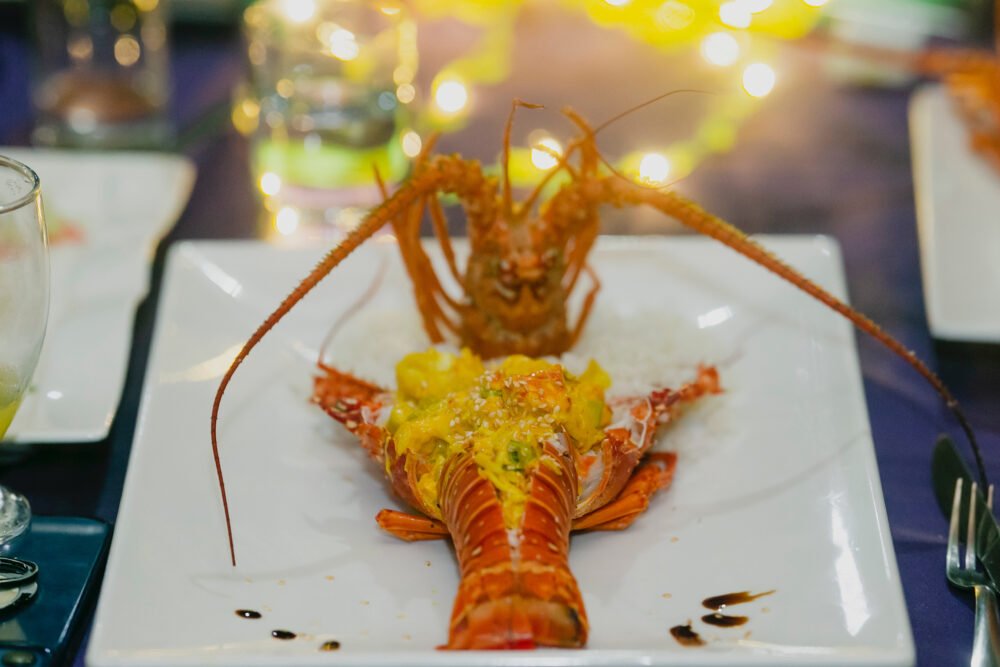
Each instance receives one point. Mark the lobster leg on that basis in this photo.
(605, 473)
(588, 305)
(441, 230)
(410, 527)
(654, 474)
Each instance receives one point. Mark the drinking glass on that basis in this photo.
(24, 307)
(101, 73)
(328, 86)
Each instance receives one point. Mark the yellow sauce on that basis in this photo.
(503, 414)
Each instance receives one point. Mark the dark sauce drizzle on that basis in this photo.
(248, 613)
(282, 634)
(331, 645)
(724, 621)
(719, 602)
(685, 636)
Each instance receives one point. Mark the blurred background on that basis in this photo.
(318, 92)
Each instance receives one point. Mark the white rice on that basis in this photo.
(641, 351)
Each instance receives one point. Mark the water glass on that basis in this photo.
(24, 307)
(102, 76)
(329, 81)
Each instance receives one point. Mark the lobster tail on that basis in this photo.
(516, 589)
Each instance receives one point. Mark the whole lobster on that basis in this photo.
(516, 589)
(523, 264)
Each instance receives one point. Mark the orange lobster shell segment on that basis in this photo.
(516, 589)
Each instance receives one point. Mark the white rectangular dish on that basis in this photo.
(958, 220)
(105, 213)
(776, 485)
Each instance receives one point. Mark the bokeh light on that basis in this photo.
(299, 11)
(755, 6)
(451, 96)
(270, 184)
(720, 48)
(287, 221)
(343, 44)
(759, 79)
(411, 143)
(654, 168)
(735, 14)
(127, 50)
(406, 93)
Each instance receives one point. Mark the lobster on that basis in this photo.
(524, 262)
(516, 589)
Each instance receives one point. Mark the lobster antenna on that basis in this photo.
(371, 224)
(589, 134)
(505, 159)
(642, 105)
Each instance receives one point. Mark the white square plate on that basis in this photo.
(958, 200)
(106, 213)
(776, 486)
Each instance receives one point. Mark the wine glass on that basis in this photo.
(24, 307)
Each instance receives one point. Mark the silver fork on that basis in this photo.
(986, 639)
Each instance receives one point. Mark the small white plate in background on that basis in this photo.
(106, 212)
(958, 220)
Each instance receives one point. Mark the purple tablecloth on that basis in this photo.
(815, 158)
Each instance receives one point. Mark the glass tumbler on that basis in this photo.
(101, 77)
(329, 81)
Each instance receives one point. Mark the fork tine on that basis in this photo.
(970, 531)
(951, 559)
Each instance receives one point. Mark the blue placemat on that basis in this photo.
(70, 554)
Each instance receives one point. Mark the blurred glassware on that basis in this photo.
(329, 82)
(24, 307)
(102, 78)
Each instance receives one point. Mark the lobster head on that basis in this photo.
(514, 283)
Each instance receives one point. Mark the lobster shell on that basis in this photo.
(516, 590)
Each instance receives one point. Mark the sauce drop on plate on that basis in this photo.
(685, 636)
(724, 621)
(718, 602)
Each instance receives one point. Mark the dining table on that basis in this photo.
(827, 153)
